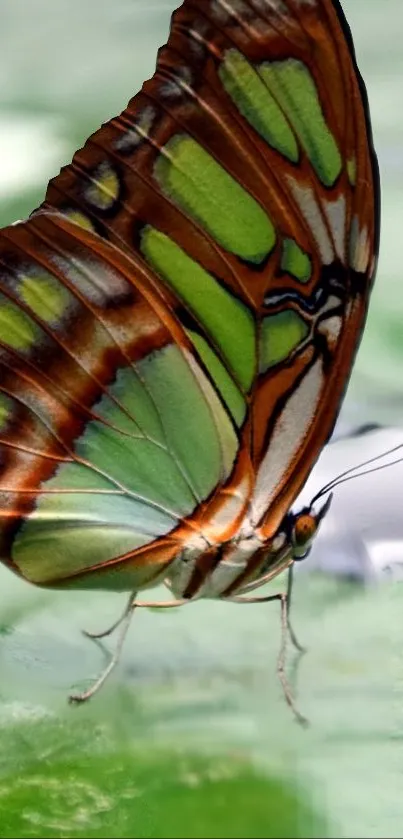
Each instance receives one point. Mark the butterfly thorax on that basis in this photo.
(222, 569)
(246, 561)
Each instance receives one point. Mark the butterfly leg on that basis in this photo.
(293, 637)
(285, 629)
(132, 604)
(283, 597)
(124, 622)
(96, 636)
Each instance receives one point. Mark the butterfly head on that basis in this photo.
(303, 527)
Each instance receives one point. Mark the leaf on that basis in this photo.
(192, 737)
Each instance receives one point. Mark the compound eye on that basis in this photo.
(304, 530)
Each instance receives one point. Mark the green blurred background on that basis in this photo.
(192, 737)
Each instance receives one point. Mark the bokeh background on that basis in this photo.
(192, 737)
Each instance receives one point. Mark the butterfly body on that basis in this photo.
(179, 319)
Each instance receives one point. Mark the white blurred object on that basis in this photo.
(25, 139)
(362, 533)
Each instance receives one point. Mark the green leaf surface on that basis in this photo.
(191, 736)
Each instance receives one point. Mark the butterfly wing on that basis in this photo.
(242, 185)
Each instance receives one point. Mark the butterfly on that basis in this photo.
(179, 318)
